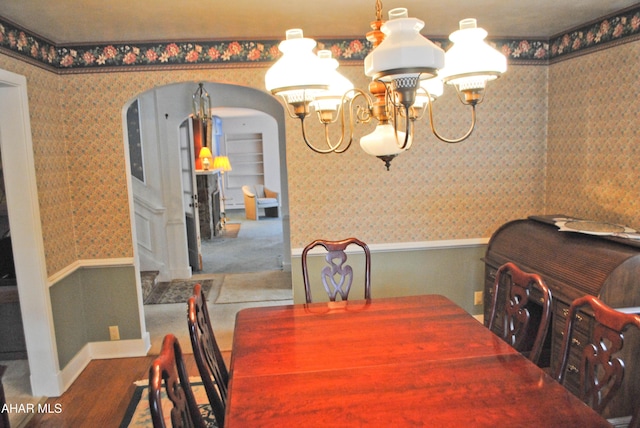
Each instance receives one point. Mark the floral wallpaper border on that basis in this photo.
(62, 59)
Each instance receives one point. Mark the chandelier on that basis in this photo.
(201, 104)
(407, 72)
(201, 112)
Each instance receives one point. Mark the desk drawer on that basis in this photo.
(581, 332)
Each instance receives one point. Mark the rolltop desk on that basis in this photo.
(573, 264)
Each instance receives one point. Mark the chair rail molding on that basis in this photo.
(394, 247)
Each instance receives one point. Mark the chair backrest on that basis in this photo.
(337, 276)
(169, 370)
(518, 327)
(259, 191)
(601, 372)
(206, 353)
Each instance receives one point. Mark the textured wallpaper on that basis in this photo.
(50, 154)
(97, 170)
(594, 136)
(435, 191)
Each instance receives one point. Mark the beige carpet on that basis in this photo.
(255, 287)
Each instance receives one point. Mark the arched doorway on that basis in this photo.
(162, 111)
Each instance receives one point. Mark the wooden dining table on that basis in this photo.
(389, 362)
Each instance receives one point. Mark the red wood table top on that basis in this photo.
(408, 361)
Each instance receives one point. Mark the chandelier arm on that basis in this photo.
(408, 128)
(417, 113)
(331, 148)
(369, 104)
(456, 140)
(357, 93)
(338, 147)
(408, 131)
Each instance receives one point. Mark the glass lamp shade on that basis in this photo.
(404, 52)
(434, 87)
(330, 99)
(471, 62)
(299, 73)
(206, 157)
(222, 163)
(382, 141)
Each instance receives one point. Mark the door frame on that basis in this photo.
(190, 194)
(26, 229)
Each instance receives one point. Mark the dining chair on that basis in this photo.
(206, 352)
(601, 373)
(517, 326)
(169, 369)
(337, 276)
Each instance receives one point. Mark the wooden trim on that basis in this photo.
(394, 247)
(89, 263)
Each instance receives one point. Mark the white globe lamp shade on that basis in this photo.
(299, 73)
(383, 142)
(330, 99)
(404, 51)
(470, 63)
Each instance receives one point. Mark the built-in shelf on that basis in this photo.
(246, 155)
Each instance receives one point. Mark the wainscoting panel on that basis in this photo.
(451, 268)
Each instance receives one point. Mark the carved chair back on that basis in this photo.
(206, 352)
(337, 275)
(601, 373)
(169, 370)
(517, 320)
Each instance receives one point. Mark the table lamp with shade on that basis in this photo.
(221, 163)
(206, 158)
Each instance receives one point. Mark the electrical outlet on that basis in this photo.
(477, 298)
(114, 332)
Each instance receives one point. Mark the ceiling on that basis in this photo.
(69, 22)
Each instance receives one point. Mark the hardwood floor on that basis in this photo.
(101, 394)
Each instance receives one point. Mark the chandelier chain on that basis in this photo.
(378, 10)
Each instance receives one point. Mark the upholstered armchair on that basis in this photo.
(259, 197)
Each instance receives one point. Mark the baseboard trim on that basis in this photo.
(100, 351)
(120, 348)
(73, 369)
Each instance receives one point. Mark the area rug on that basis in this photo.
(255, 287)
(176, 291)
(138, 414)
